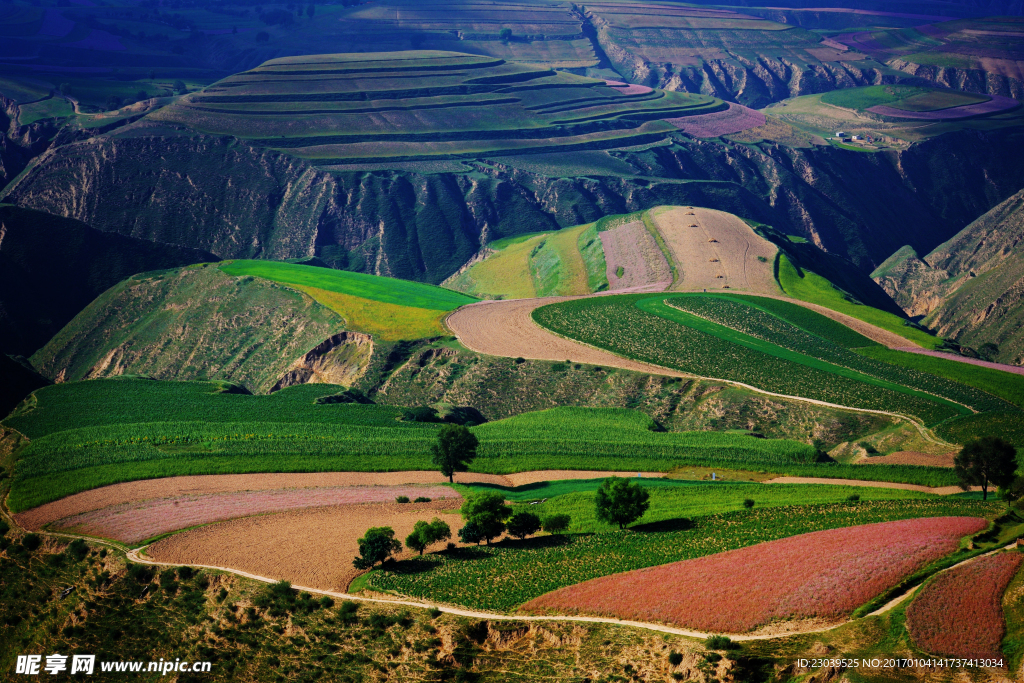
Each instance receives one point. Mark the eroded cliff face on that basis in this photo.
(20, 144)
(237, 201)
(340, 359)
(989, 82)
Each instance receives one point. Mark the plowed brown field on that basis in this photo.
(312, 547)
(714, 250)
(505, 328)
(910, 458)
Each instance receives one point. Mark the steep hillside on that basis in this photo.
(969, 288)
(19, 381)
(243, 202)
(200, 323)
(52, 267)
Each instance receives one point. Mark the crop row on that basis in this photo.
(763, 325)
(506, 575)
(806, 319)
(618, 325)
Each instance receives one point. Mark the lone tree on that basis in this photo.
(427, 533)
(486, 512)
(556, 524)
(523, 524)
(621, 501)
(984, 462)
(505, 34)
(377, 545)
(454, 450)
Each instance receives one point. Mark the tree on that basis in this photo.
(505, 34)
(425, 534)
(377, 545)
(455, 449)
(487, 512)
(984, 462)
(556, 524)
(620, 501)
(748, 503)
(179, 87)
(523, 524)
(471, 533)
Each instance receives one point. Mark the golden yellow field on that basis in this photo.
(387, 322)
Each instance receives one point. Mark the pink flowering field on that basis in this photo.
(137, 521)
(821, 575)
(960, 613)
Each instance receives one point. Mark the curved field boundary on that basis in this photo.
(997, 104)
(136, 556)
(506, 328)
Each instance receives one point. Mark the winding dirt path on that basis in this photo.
(137, 556)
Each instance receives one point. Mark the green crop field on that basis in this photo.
(506, 575)
(369, 107)
(642, 327)
(908, 97)
(388, 308)
(812, 288)
(89, 434)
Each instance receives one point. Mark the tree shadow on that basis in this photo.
(537, 542)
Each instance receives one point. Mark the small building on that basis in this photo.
(857, 137)
(840, 134)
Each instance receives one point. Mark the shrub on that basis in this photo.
(434, 613)
(402, 499)
(78, 549)
(421, 499)
(4, 528)
(520, 360)
(523, 524)
(31, 542)
(855, 498)
(748, 503)
(348, 611)
(675, 658)
(721, 643)
(556, 524)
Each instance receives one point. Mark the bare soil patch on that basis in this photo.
(714, 250)
(506, 328)
(313, 547)
(632, 248)
(135, 522)
(910, 458)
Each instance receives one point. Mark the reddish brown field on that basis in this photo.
(732, 120)
(135, 522)
(960, 613)
(823, 575)
(311, 548)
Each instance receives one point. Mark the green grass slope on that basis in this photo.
(52, 267)
(968, 288)
(192, 323)
(373, 107)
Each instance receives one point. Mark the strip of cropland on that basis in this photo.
(375, 107)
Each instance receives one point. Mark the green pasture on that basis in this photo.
(385, 289)
(89, 434)
(507, 574)
(814, 289)
(907, 97)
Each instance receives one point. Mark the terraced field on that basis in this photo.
(387, 308)
(425, 105)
